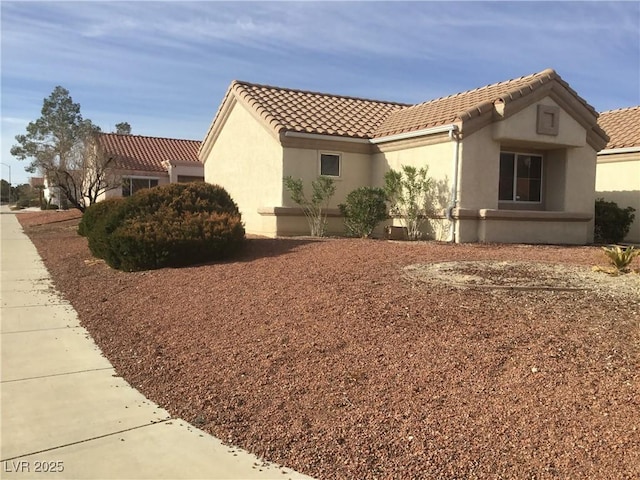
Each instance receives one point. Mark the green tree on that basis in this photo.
(5, 191)
(410, 193)
(323, 188)
(123, 128)
(62, 146)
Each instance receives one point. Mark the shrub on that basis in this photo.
(23, 203)
(410, 193)
(323, 188)
(363, 210)
(620, 258)
(174, 240)
(96, 213)
(612, 222)
(171, 225)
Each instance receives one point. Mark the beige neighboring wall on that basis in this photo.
(180, 168)
(244, 145)
(618, 180)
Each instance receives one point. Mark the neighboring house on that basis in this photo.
(618, 169)
(144, 162)
(49, 192)
(514, 161)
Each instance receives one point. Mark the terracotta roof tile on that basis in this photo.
(312, 112)
(622, 126)
(136, 152)
(466, 105)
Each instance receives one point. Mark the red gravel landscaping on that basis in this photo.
(325, 356)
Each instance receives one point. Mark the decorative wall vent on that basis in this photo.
(548, 120)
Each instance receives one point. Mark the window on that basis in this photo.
(132, 185)
(520, 177)
(330, 164)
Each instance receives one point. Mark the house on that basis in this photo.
(514, 161)
(618, 168)
(49, 192)
(144, 162)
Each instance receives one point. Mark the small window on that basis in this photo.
(132, 185)
(520, 178)
(330, 164)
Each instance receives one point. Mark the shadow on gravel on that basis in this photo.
(257, 248)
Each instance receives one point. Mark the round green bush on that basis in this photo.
(170, 225)
(612, 223)
(363, 210)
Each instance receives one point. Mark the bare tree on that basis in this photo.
(64, 148)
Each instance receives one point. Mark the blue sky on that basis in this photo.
(164, 67)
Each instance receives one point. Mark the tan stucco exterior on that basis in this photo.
(247, 160)
(245, 156)
(178, 169)
(618, 180)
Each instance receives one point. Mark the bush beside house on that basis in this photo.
(612, 223)
(170, 225)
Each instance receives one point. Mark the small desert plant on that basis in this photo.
(410, 193)
(621, 258)
(323, 188)
(612, 222)
(363, 210)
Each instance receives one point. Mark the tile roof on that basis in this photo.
(137, 152)
(312, 112)
(287, 109)
(622, 126)
(466, 105)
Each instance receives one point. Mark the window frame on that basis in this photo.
(130, 179)
(514, 184)
(333, 154)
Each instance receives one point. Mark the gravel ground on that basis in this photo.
(346, 358)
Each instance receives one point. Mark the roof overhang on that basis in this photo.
(617, 151)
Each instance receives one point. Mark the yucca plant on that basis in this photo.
(620, 257)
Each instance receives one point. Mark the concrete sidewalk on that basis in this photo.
(66, 413)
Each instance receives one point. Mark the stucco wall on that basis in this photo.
(355, 172)
(438, 157)
(304, 164)
(194, 170)
(568, 180)
(618, 180)
(533, 232)
(521, 127)
(247, 161)
(479, 171)
(580, 180)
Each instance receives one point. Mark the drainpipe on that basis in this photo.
(454, 135)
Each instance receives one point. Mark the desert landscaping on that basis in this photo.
(375, 359)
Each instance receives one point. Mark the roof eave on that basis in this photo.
(217, 123)
(617, 151)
